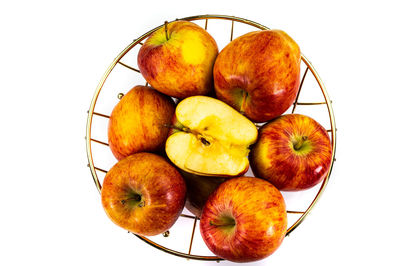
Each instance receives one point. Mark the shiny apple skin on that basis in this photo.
(139, 122)
(181, 66)
(275, 159)
(161, 188)
(259, 211)
(259, 74)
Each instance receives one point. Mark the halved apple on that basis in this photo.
(210, 138)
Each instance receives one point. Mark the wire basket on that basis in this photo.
(123, 75)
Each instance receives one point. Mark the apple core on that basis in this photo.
(210, 138)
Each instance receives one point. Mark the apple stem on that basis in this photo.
(166, 29)
(135, 197)
(298, 144)
(177, 128)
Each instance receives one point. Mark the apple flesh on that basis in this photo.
(244, 220)
(137, 122)
(259, 74)
(143, 194)
(210, 138)
(293, 152)
(179, 62)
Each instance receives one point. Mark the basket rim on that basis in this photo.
(310, 67)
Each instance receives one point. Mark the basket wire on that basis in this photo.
(206, 18)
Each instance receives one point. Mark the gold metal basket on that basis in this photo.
(95, 169)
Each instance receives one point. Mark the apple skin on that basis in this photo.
(275, 158)
(199, 188)
(244, 220)
(259, 74)
(138, 123)
(181, 66)
(143, 194)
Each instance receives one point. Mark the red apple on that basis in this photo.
(179, 60)
(144, 194)
(293, 152)
(259, 74)
(244, 220)
(138, 122)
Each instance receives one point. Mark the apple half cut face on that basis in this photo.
(210, 138)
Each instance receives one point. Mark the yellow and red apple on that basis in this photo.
(244, 220)
(178, 61)
(143, 194)
(210, 138)
(293, 152)
(137, 122)
(259, 74)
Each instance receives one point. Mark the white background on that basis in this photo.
(52, 56)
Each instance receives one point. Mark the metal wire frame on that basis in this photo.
(138, 41)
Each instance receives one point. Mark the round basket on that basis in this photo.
(122, 75)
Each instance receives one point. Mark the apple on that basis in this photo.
(259, 74)
(143, 194)
(178, 59)
(137, 122)
(210, 138)
(199, 188)
(244, 219)
(293, 152)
